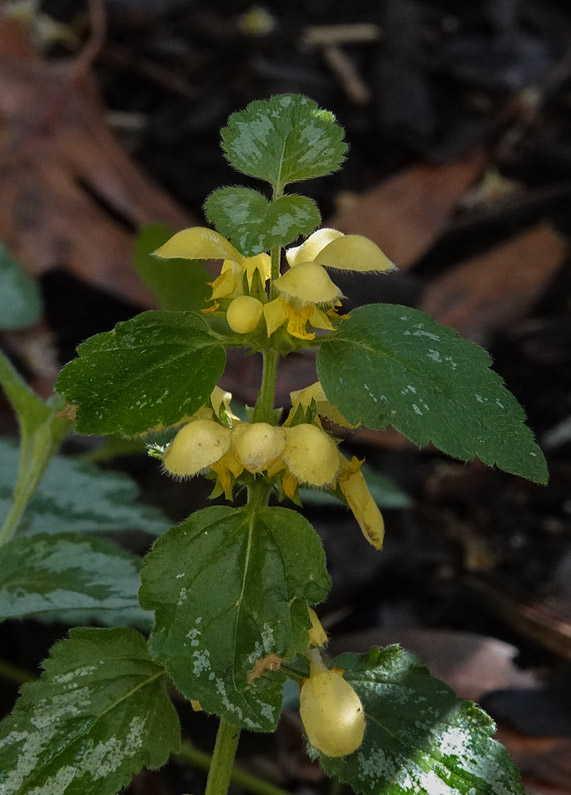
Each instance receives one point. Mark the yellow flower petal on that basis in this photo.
(353, 253)
(331, 712)
(309, 283)
(311, 247)
(227, 469)
(317, 635)
(274, 315)
(256, 445)
(196, 446)
(227, 284)
(297, 320)
(319, 319)
(303, 397)
(289, 485)
(198, 242)
(365, 510)
(311, 455)
(261, 263)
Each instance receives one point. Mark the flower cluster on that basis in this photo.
(291, 454)
(306, 294)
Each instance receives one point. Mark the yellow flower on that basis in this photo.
(196, 447)
(332, 249)
(365, 510)
(257, 445)
(303, 398)
(331, 710)
(306, 286)
(310, 456)
(279, 310)
(199, 242)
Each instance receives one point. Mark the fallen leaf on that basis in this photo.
(491, 291)
(69, 195)
(407, 213)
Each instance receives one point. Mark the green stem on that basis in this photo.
(36, 451)
(251, 783)
(265, 403)
(222, 759)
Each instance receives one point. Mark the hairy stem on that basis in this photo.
(222, 759)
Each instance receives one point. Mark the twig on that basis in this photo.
(344, 69)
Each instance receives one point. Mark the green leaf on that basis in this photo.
(20, 298)
(41, 430)
(419, 736)
(98, 714)
(392, 364)
(78, 497)
(284, 139)
(176, 283)
(153, 369)
(231, 588)
(254, 224)
(68, 578)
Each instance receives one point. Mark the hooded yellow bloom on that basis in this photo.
(331, 710)
(365, 510)
(196, 447)
(199, 242)
(307, 291)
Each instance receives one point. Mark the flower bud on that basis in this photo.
(195, 447)
(244, 314)
(331, 712)
(317, 635)
(311, 455)
(257, 444)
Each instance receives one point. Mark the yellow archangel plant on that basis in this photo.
(232, 587)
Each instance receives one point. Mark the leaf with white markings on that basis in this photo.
(231, 588)
(151, 370)
(284, 139)
(74, 496)
(419, 736)
(254, 224)
(99, 713)
(395, 365)
(71, 579)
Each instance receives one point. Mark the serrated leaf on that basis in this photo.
(99, 713)
(77, 497)
(230, 588)
(67, 578)
(419, 736)
(155, 368)
(20, 298)
(254, 224)
(284, 139)
(178, 284)
(392, 364)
